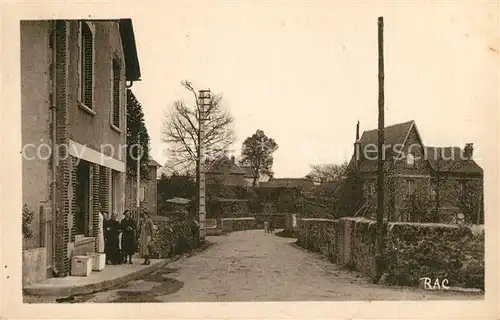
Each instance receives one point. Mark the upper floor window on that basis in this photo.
(116, 72)
(86, 67)
(411, 188)
(410, 159)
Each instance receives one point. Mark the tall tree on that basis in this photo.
(323, 173)
(257, 152)
(181, 131)
(136, 129)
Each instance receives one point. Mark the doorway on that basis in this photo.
(82, 198)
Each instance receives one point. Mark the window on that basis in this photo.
(370, 188)
(86, 85)
(410, 160)
(433, 190)
(116, 93)
(142, 193)
(114, 189)
(411, 188)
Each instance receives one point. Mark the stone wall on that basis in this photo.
(412, 250)
(238, 224)
(34, 265)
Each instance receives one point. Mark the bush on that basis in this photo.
(176, 236)
(28, 216)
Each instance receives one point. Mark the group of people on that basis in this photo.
(132, 238)
(269, 226)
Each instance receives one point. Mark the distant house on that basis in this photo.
(249, 176)
(148, 194)
(417, 174)
(302, 184)
(225, 172)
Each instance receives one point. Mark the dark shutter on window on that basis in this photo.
(116, 93)
(87, 65)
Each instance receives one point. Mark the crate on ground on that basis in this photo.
(98, 261)
(81, 266)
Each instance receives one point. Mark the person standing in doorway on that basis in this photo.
(111, 239)
(129, 230)
(145, 237)
(100, 237)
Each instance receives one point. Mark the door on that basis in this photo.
(46, 235)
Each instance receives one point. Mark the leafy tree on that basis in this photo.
(469, 200)
(181, 131)
(175, 185)
(136, 129)
(257, 152)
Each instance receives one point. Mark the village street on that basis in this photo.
(253, 266)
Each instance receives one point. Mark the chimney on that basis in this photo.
(357, 146)
(357, 131)
(468, 150)
(233, 159)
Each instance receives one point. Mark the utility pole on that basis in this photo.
(204, 97)
(138, 176)
(381, 152)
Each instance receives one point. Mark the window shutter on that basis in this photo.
(116, 93)
(87, 65)
(88, 219)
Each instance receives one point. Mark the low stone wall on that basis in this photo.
(432, 250)
(34, 265)
(412, 250)
(238, 224)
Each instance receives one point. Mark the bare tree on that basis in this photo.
(323, 173)
(182, 127)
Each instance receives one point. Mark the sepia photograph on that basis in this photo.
(267, 152)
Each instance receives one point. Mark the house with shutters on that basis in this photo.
(74, 76)
(224, 171)
(148, 192)
(422, 183)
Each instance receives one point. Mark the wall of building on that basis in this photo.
(448, 251)
(36, 57)
(95, 131)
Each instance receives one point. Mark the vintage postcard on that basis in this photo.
(250, 160)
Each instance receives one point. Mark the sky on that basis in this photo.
(306, 73)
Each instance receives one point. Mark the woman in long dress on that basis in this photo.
(129, 229)
(111, 239)
(145, 237)
(101, 233)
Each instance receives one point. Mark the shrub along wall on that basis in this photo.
(174, 236)
(412, 251)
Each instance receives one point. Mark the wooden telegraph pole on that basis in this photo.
(381, 153)
(204, 97)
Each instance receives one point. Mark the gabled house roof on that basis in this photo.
(393, 135)
(153, 163)
(132, 68)
(218, 164)
(248, 171)
(178, 200)
(452, 158)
